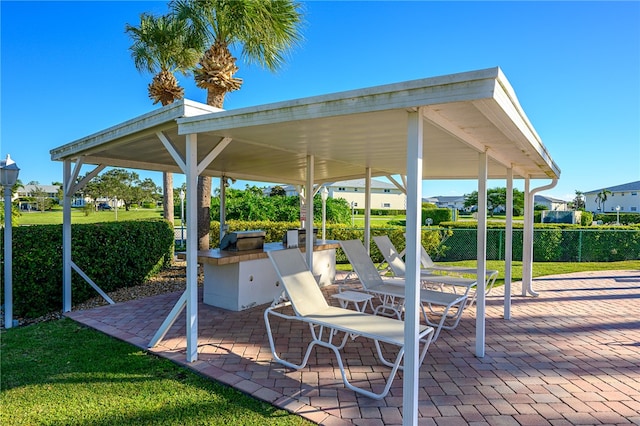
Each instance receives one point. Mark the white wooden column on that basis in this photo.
(191, 293)
(527, 236)
(367, 210)
(508, 246)
(412, 287)
(223, 207)
(481, 252)
(67, 186)
(309, 211)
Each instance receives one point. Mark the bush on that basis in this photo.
(274, 231)
(586, 218)
(113, 254)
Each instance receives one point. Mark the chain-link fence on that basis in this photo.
(549, 245)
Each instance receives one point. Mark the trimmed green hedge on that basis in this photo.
(274, 231)
(113, 254)
(551, 242)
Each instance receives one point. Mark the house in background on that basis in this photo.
(384, 195)
(625, 195)
(448, 202)
(29, 196)
(553, 204)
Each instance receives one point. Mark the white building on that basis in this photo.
(26, 192)
(447, 202)
(384, 195)
(625, 195)
(552, 204)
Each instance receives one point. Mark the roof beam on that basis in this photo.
(212, 155)
(173, 151)
(445, 124)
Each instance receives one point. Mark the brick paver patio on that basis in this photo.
(568, 357)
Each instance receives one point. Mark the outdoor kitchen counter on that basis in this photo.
(224, 257)
(239, 280)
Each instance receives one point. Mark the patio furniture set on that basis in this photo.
(444, 295)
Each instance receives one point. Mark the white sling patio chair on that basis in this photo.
(449, 306)
(327, 322)
(398, 269)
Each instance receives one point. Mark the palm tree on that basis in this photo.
(163, 45)
(579, 200)
(602, 197)
(264, 31)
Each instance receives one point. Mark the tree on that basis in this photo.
(60, 192)
(601, 198)
(163, 45)
(41, 198)
(496, 197)
(119, 184)
(264, 31)
(578, 202)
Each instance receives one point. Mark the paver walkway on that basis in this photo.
(568, 357)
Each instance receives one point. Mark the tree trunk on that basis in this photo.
(204, 215)
(167, 191)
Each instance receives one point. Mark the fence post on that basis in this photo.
(580, 232)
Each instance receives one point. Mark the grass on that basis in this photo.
(539, 269)
(54, 217)
(61, 373)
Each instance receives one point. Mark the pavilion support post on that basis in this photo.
(223, 206)
(508, 246)
(191, 161)
(412, 288)
(309, 211)
(481, 254)
(69, 177)
(367, 210)
(527, 237)
(67, 185)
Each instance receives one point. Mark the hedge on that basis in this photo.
(113, 254)
(456, 241)
(274, 232)
(551, 242)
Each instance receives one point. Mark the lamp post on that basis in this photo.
(618, 215)
(8, 176)
(182, 217)
(324, 193)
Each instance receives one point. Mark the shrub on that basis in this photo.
(586, 218)
(113, 254)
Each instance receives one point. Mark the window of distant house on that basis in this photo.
(341, 189)
(634, 193)
(622, 194)
(355, 204)
(386, 205)
(387, 190)
(355, 189)
(633, 209)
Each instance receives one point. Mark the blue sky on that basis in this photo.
(66, 72)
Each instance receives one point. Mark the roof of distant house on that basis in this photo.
(27, 189)
(360, 183)
(446, 198)
(541, 197)
(631, 186)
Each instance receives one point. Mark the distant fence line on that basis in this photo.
(549, 245)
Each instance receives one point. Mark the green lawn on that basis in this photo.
(78, 216)
(61, 373)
